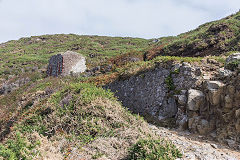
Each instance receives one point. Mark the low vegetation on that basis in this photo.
(18, 148)
(83, 115)
(153, 150)
(27, 54)
(213, 38)
(75, 112)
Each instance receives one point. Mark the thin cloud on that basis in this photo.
(135, 18)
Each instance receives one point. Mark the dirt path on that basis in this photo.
(195, 147)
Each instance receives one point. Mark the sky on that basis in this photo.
(125, 18)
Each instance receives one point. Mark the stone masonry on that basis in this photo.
(205, 98)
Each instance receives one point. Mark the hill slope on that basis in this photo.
(32, 53)
(213, 38)
(74, 116)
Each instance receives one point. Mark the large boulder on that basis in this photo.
(215, 91)
(233, 62)
(66, 63)
(196, 100)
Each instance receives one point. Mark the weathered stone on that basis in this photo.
(66, 63)
(214, 97)
(183, 123)
(9, 86)
(214, 91)
(237, 113)
(206, 77)
(55, 66)
(176, 67)
(214, 85)
(213, 134)
(228, 101)
(225, 73)
(169, 109)
(192, 113)
(237, 125)
(182, 120)
(232, 61)
(198, 71)
(192, 123)
(149, 94)
(227, 116)
(181, 99)
(231, 89)
(237, 97)
(143, 94)
(195, 99)
(231, 143)
(203, 127)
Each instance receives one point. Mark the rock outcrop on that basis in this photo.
(148, 93)
(233, 62)
(11, 85)
(201, 103)
(66, 63)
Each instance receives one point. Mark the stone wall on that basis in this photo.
(203, 104)
(148, 93)
(215, 109)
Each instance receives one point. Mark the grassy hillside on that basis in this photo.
(81, 119)
(30, 54)
(27, 54)
(213, 38)
(75, 113)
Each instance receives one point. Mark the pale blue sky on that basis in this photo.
(132, 18)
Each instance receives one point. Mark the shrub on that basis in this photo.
(154, 150)
(233, 65)
(17, 148)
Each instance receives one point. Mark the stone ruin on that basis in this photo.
(66, 63)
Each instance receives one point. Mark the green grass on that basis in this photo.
(153, 150)
(212, 38)
(35, 51)
(81, 118)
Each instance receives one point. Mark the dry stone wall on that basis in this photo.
(215, 109)
(149, 94)
(203, 104)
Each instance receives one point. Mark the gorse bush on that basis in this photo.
(17, 148)
(153, 150)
